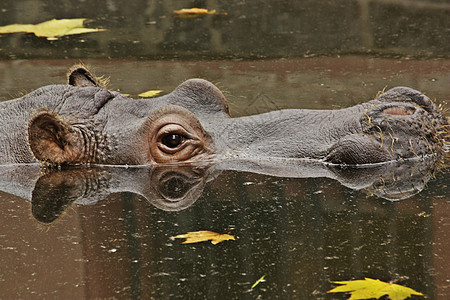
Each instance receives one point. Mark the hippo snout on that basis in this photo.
(406, 123)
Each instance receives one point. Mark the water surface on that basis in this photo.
(107, 233)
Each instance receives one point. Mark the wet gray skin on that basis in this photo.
(84, 123)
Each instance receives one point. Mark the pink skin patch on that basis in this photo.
(398, 111)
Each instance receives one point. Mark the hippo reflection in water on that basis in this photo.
(177, 187)
(83, 122)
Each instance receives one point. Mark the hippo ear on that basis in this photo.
(80, 76)
(53, 140)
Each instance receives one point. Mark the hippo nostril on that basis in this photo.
(398, 111)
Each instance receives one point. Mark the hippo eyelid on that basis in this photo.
(175, 129)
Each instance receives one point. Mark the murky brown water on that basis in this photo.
(96, 240)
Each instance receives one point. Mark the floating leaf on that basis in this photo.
(51, 29)
(195, 12)
(258, 281)
(204, 235)
(373, 288)
(151, 93)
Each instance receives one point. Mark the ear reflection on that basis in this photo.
(56, 190)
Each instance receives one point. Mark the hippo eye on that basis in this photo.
(175, 137)
(172, 140)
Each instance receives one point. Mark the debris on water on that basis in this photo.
(258, 281)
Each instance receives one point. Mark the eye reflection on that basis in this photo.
(175, 187)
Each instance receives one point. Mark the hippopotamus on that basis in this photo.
(83, 122)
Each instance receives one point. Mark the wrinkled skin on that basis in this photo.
(84, 123)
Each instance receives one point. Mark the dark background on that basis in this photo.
(251, 29)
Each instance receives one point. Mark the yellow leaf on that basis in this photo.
(195, 12)
(151, 93)
(204, 235)
(51, 29)
(373, 288)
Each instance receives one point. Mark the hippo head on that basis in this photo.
(93, 125)
(85, 123)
